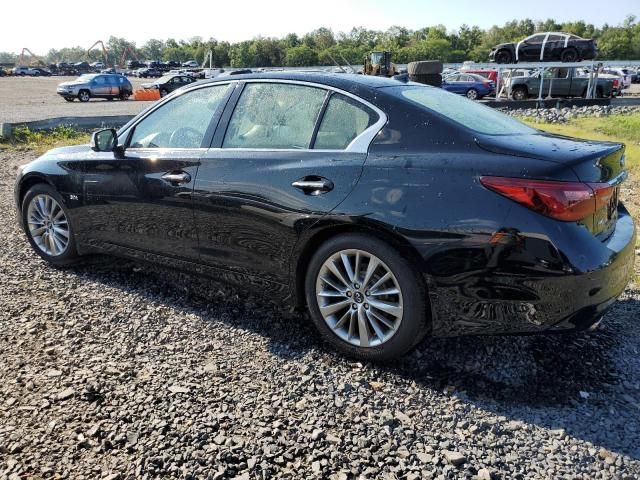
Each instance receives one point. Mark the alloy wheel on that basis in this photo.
(48, 225)
(359, 298)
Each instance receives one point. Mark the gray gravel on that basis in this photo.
(26, 99)
(119, 370)
(563, 115)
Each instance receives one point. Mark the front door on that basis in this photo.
(282, 158)
(143, 201)
(531, 48)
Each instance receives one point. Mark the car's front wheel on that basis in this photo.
(364, 298)
(504, 56)
(46, 223)
(84, 95)
(163, 92)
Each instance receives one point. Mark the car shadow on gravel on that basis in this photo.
(574, 381)
(579, 382)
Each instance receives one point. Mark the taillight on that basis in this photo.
(616, 82)
(565, 201)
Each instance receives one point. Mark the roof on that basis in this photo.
(344, 81)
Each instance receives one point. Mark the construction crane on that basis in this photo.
(131, 53)
(33, 56)
(104, 51)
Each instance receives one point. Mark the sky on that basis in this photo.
(44, 24)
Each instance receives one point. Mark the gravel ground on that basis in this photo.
(26, 99)
(119, 370)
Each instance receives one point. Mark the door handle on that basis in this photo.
(176, 177)
(313, 185)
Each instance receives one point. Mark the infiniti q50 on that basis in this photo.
(391, 211)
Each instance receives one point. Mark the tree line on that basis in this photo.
(322, 46)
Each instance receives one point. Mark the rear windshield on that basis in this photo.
(467, 113)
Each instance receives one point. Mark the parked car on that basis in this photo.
(135, 64)
(97, 65)
(26, 71)
(169, 83)
(82, 67)
(562, 82)
(617, 80)
(2, 72)
(491, 75)
(44, 72)
(191, 64)
(96, 85)
(147, 73)
(338, 193)
(474, 87)
(623, 73)
(545, 47)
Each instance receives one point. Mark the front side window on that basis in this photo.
(343, 120)
(467, 113)
(274, 116)
(180, 123)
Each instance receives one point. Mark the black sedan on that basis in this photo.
(545, 47)
(169, 83)
(391, 211)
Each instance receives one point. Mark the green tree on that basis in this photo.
(301, 56)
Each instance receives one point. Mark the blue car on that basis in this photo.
(471, 85)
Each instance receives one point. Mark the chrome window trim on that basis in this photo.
(360, 144)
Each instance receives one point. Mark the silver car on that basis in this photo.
(101, 85)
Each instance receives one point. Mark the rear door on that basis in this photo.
(100, 87)
(285, 154)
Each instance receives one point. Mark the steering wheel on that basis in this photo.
(185, 137)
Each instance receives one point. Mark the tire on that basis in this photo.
(124, 96)
(389, 339)
(69, 99)
(37, 74)
(569, 55)
(84, 95)
(36, 202)
(472, 94)
(520, 93)
(110, 99)
(163, 93)
(504, 56)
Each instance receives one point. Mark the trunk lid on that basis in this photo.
(599, 164)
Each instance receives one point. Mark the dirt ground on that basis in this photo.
(25, 99)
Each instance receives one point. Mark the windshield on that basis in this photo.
(467, 113)
(87, 78)
(165, 79)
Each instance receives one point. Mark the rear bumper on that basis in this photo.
(531, 284)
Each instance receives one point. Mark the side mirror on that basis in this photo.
(104, 140)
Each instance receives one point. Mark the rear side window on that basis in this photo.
(467, 113)
(274, 116)
(343, 120)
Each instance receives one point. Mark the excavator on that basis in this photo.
(33, 57)
(379, 64)
(104, 51)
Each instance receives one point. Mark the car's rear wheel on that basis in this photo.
(504, 56)
(124, 96)
(364, 298)
(472, 94)
(519, 93)
(569, 55)
(84, 95)
(46, 223)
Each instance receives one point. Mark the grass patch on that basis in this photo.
(614, 128)
(24, 138)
